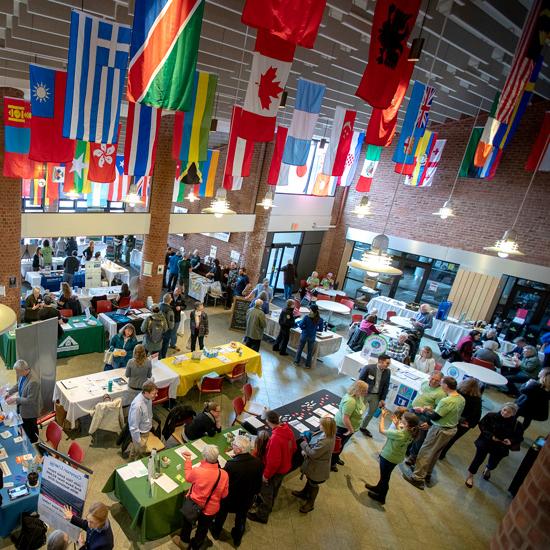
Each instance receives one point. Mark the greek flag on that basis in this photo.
(98, 57)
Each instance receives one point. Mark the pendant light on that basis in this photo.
(418, 42)
(445, 211)
(191, 197)
(220, 205)
(133, 198)
(362, 210)
(8, 319)
(267, 201)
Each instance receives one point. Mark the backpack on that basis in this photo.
(33, 532)
(155, 330)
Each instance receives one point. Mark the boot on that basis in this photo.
(303, 494)
(308, 505)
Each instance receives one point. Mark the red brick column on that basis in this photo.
(10, 221)
(160, 205)
(526, 524)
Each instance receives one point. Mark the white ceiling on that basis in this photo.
(467, 54)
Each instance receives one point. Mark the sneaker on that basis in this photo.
(419, 484)
(372, 488)
(365, 432)
(333, 469)
(253, 516)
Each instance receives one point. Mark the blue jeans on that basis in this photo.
(288, 291)
(383, 485)
(174, 335)
(165, 343)
(310, 344)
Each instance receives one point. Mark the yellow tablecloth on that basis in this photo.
(191, 371)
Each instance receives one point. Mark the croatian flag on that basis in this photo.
(352, 160)
(140, 148)
(340, 141)
(98, 57)
(306, 112)
(118, 189)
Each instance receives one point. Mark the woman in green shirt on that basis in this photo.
(348, 418)
(47, 253)
(393, 452)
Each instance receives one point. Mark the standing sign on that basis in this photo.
(93, 274)
(62, 485)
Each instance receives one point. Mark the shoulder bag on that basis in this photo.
(190, 509)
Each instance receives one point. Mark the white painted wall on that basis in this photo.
(302, 210)
(208, 223)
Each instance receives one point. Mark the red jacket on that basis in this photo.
(203, 478)
(280, 449)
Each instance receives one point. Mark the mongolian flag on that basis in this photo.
(391, 26)
(209, 169)
(540, 153)
(341, 135)
(140, 147)
(372, 158)
(163, 53)
(17, 138)
(276, 159)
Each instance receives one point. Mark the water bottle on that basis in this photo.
(110, 385)
(151, 465)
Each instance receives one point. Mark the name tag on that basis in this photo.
(371, 377)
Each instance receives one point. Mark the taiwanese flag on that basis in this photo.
(391, 26)
(48, 105)
(275, 166)
(290, 20)
(17, 135)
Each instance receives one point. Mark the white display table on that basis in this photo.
(461, 370)
(111, 270)
(198, 287)
(333, 307)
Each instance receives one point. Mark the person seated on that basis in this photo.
(425, 361)
(312, 281)
(65, 297)
(33, 302)
(368, 325)
(490, 335)
(519, 343)
(526, 369)
(467, 344)
(328, 281)
(398, 348)
(124, 293)
(207, 422)
(424, 319)
(215, 272)
(488, 353)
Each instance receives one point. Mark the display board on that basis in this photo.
(238, 315)
(93, 274)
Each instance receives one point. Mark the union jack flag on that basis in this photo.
(425, 106)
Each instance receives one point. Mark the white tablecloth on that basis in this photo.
(87, 391)
(34, 278)
(111, 325)
(461, 370)
(405, 381)
(26, 264)
(136, 256)
(86, 299)
(506, 347)
(198, 287)
(112, 270)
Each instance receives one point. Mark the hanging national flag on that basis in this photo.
(415, 122)
(98, 196)
(102, 167)
(232, 183)
(485, 145)
(79, 168)
(17, 138)
(309, 97)
(52, 184)
(163, 55)
(300, 177)
(321, 187)
(383, 122)
(118, 188)
(209, 169)
(352, 160)
(26, 188)
(193, 139)
(341, 135)
(276, 159)
(142, 187)
(467, 168)
(48, 88)
(140, 147)
(372, 158)
(391, 26)
(433, 162)
(268, 76)
(98, 57)
(541, 148)
(239, 151)
(422, 154)
(295, 22)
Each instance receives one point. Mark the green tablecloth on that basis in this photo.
(75, 341)
(158, 514)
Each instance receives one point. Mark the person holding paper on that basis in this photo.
(140, 419)
(123, 344)
(99, 535)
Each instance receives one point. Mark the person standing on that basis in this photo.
(184, 268)
(139, 369)
(198, 326)
(71, 265)
(88, 253)
(33, 303)
(26, 395)
(289, 278)
(99, 535)
(215, 271)
(310, 324)
(278, 462)
(130, 245)
(533, 399)
(317, 453)
(125, 339)
(169, 253)
(377, 378)
(255, 325)
(71, 246)
(168, 312)
(286, 322)
(230, 283)
(153, 328)
(178, 307)
(241, 283)
(140, 419)
(173, 270)
(37, 259)
(259, 288)
(47, 253)
(444, 420)
(245, 482)
(393, 452)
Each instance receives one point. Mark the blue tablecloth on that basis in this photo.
(11, 510)
(53, 282)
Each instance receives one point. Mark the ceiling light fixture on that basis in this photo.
(445, 211)
(220, 205)
(418, 42)
(376, 260)
(362, 209)
(267, 201)
(133, 198)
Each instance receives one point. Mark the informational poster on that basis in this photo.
(220, 236)
(110, 250)
(213, 251)
(235, 256)
(62, 485)
(92, 274)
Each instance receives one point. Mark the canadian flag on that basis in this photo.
(271, 64)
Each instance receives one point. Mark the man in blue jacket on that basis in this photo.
(310, 324)
(173, 270)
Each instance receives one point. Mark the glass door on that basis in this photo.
(278, 257)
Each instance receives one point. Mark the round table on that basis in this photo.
(391, 331)
(333, 307)
(507, 361)
(330, 292)
(304, 310)
(487, 376)
(403, 322)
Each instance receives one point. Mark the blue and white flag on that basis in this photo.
(306, 112)
(414, 125)
(98, 197)
(352, 160)
(98, 58)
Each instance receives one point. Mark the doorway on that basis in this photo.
(278, 257)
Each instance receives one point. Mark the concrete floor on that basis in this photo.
(447, 515)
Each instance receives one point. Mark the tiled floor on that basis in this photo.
(448, 515)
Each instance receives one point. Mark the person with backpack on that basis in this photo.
(168, 312)
(153, 329)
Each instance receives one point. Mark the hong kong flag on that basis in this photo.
(102, 162)
(391, 26)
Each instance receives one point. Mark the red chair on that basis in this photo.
(124, 302)
(438, 366)
(348, 302)
(103, 306)
(162, 396)
(210, 385)
(323, 297)
(339, 298)
(137, 304)
(238, 407)
(54, 433)
(247, 392)
(66, 312)
(238, 372)
(76, 452)
(390, 314)
(356, 318)
(482, 363)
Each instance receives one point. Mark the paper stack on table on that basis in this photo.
(224, 359)
(331, 409)
(256, 422)
(199, 444)
(180, 450)
(133, 469)
(166, 483)
(298, 426)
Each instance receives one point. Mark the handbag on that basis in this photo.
(108, 357)
(190, 509)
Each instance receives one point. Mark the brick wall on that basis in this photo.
(484, 209)
(526, 523)
(10, 220)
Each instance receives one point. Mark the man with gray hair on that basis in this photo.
(526, 369)
(255, 325)
(245, 482)
(27, 398)
(261, 287)
(58, 540)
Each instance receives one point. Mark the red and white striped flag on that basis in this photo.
(239, 153)
(118, 188)
(142, 185)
